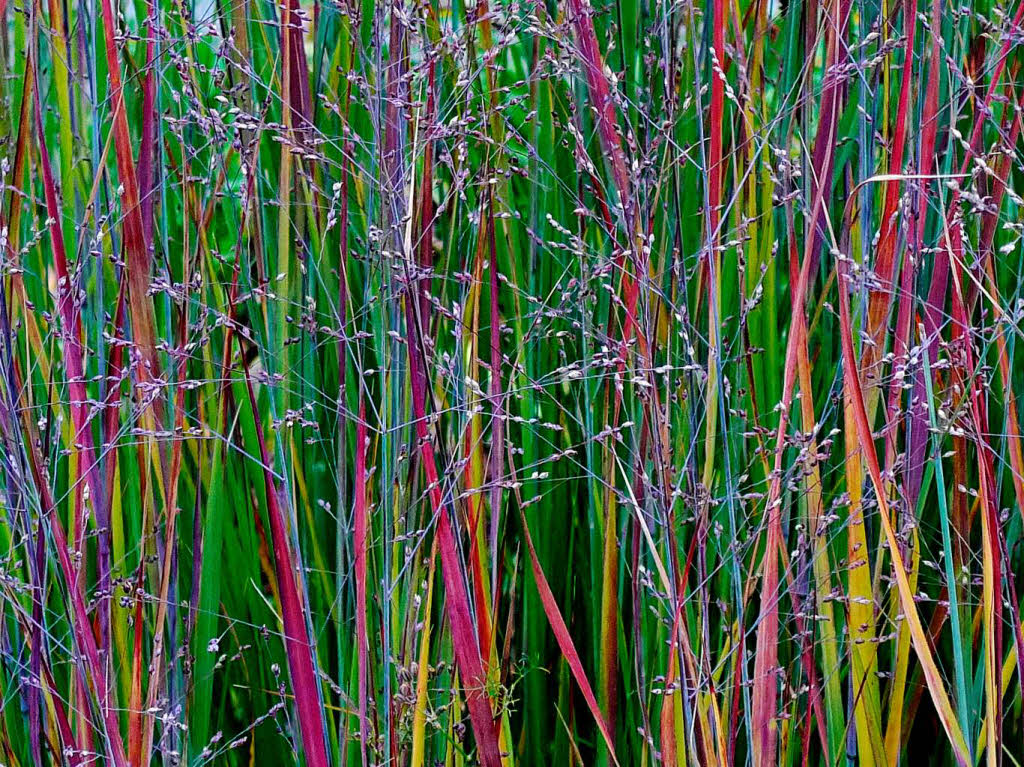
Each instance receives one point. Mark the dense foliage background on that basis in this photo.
(437, 382)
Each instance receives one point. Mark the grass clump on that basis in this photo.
(611, 382)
